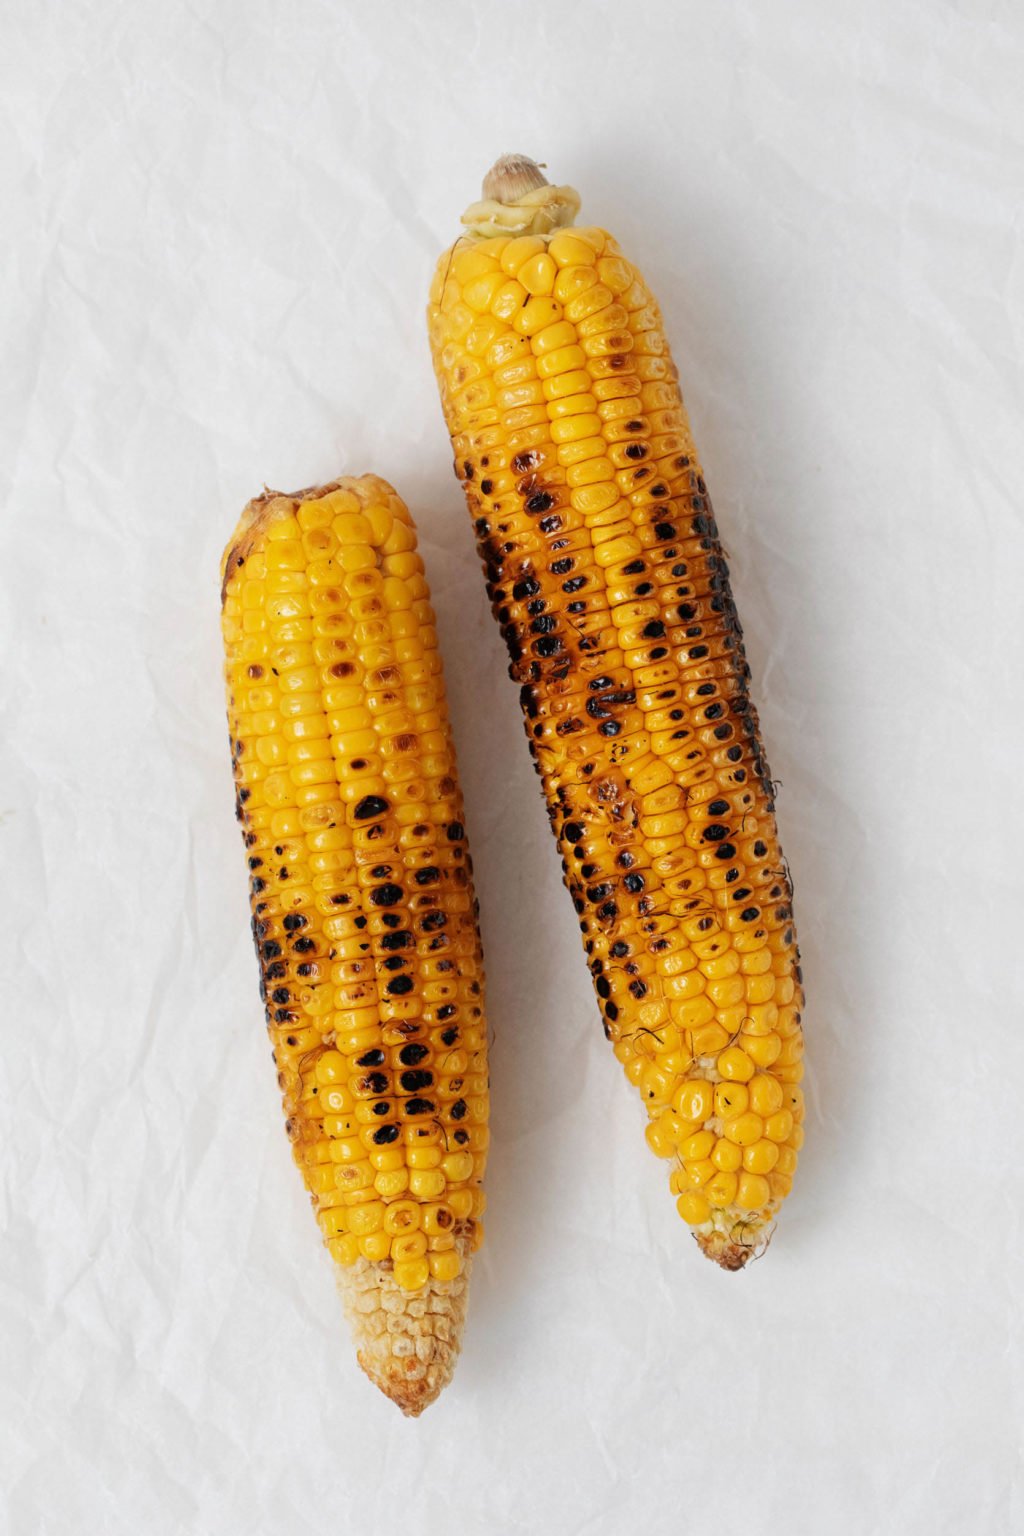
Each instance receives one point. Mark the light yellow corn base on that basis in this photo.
(608, 580)
(363, 909)
(407, 1343)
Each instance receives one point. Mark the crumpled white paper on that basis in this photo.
(221, 220)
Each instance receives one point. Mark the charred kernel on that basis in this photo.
(750, 914)
(634, 568)
(370, 805)
(458, 1110)
(636, 451)
(374, 1058)
(294, 921)
(572, 831)
(417, 1106)
(618, 949)
(400, 940)
(412, 1082)
(487, 486)
(686, 611)
(634, 883)
(456, 831)
(662, 530)
(523, 589)
(433, 921)
(638, 989)
(610, 728)
(449, 1036)
(654, 630)
(574, 584)
(411, 1055)
(725, 851)
(381, 1108)
(722, 732)
(428, 876)
(392, 919)
(541, 502)
(280, 995)
(549, 645)
(561, 567)
(759, 849)
(304, 946)
(271, 949)
(399, 986)
(386, 895)
(385, 1134)
(550, 524)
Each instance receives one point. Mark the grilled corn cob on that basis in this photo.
(608, 580)
(362, 907)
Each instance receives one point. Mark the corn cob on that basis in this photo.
(363, 912)
(608, 580)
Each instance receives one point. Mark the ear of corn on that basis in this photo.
(607, 577)
(363, 911)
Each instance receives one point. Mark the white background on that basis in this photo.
(220, 221)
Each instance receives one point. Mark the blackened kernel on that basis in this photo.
(460, 1136)
(725, 851)
(449, 1036)
(386, 895)
(413, 1081)
(574, 584)
(560, 567)
(390, 919)
(370, 805)
(412, 1055)
(654, 630)
(715, 833)
(718, 807)
(713, 711)
(759, 849)
(680, 569)
(393, 962)
(446, 1012)
(385, 1134)
(542, 502)
(400, 940)
(609, 728)
(417, 1106)
(280, 995)
(734, 754)
(303, 946)
(723, 732)
(607, 912)
(634, 883)
(427, 876)
(611, 1011)
(686, 611)
(374, 1058)
(458, 1110)
(603, 987)
(294, 921)
(526, 588)
(271, 949)
(658, 652)
(749, 914)
(662, 530)
(638, 989)
(697, 652)
(573, 831)
(434, 920)
(550, 524)
(634, 568)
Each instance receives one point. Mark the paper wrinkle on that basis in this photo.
(222, 222)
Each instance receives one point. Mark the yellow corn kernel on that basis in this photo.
(412, 1274)
(765, 1095)
(727, 1156)
(721, 1190)
(445, 1265)
(762, 1050)
(761, 1157)
(779, 1126)
(693, 1208)
(375, 1246)
(731, 1099)
(745, 1129)
(662, 1134)
(735, 1065)
(695, 1148)
(426, 1183)
(411, 1245)
(694, 1101)
(753, 1192)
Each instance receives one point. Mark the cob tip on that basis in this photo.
(407, 1342)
